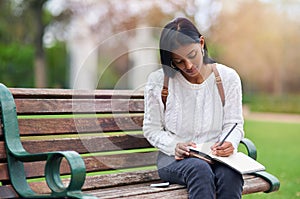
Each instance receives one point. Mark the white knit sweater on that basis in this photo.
(194, 112)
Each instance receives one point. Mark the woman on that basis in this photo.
(186, 103)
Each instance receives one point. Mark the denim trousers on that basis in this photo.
(203, 180)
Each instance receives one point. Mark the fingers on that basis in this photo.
(182, 150)
(226, 149)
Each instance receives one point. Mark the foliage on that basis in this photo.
(57, 62)
(277, 146)
(16, 65)
(262, 44)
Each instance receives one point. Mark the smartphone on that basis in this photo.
(160, 185)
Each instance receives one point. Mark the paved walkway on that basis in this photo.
(274, 117)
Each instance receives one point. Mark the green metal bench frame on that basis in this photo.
(17, 155)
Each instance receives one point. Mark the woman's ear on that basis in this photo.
(202, 41)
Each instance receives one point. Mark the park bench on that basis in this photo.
(41, 129)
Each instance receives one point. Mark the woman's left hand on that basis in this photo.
(226, 149)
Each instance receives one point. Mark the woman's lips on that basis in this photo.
(191, 71)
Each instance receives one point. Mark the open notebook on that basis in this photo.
(238, 161)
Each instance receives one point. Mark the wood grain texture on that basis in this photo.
(92, 163)
(129, 185)
(254, 185)
(7, 191)
(72, 106)
(142, 190)
(71, 93)
(77, 125)
(83, 144)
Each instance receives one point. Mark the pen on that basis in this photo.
(227, 134)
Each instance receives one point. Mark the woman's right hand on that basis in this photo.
(182, 150)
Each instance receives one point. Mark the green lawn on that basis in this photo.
(287, 103)
(279, 150)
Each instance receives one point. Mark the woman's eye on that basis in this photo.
(193, 55)
(178, 62)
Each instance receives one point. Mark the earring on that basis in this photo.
(172, 66)
(203, 52)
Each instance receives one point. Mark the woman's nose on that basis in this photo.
(188, 64)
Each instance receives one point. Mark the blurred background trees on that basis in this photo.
(260, 39)
(23, 55)
(261, 42)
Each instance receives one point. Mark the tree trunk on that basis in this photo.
(40, 68)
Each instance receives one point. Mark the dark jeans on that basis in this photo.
(204, 180)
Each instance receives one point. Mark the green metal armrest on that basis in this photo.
(17, 155)
(251, 149)
(272, 180)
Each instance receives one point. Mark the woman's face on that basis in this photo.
(189, 59)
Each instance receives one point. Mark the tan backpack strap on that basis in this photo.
(165, 92)
(219, 84)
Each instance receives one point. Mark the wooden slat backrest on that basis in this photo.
(63, 101)
(84, 121)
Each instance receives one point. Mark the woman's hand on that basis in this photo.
(182, 150)
(226, 149)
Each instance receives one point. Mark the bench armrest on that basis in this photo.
(16, 156)
(52, 173)
(251, 149)
(272, 180)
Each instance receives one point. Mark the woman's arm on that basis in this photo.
(233, 108)
(153, 126)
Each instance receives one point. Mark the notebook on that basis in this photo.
(237, 161)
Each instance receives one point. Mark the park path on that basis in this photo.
(273, 117)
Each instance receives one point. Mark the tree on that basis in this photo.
(24, 25)
(260, 42)
(40, 68)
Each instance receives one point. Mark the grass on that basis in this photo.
(270, 103)
(278, 149)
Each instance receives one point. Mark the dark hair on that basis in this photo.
(177, 33)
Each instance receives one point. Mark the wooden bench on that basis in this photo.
(104, 127)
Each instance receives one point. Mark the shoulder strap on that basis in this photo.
(219, 84)
(165, 92)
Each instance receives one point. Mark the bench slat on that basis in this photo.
(109, 180)
(84, 144)
(131, 191)
(79, 125)
(70, 106)
(174, 194)
(88, 144)
(255, 184)
(7, 191)
(39, 93)
(93, 164)
(141, 191)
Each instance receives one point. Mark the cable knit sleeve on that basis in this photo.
(233, 106)
(153, 125)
